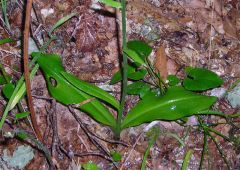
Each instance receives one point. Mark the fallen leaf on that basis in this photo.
(161, 62)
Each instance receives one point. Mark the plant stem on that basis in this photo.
(124, 72)
(26, 69)
(204, 151)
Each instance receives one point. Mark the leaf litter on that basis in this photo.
(184, 33)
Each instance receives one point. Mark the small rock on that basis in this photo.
(234, 96)
(47, 12)
(218, 92)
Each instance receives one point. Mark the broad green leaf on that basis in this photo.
(91, 89)
(22, 115)
(132, 74)
(134, 56)
(6, 40)
(138, 75)
(138, 88)
(3, 80)
(60, 22)
(138, 51)
(175, 104)
(90, 166)
(199, 79)
(173, 80)
(66, 93)
(111, 3)
(8, 90)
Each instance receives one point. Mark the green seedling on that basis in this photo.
(21, 115)
(177, 103)
(6, 40)
(90, 166)
(116, 156)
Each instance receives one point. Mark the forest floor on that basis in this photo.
(198, 33)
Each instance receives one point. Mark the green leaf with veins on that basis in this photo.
(138, 51)
(65, 92)
(177, 103)
(90, 89)
(138, 88)
(200, 79)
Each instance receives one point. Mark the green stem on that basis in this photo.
(124, 72)
(220, 151)
(4, 11)
(205, 146)
(186, 160)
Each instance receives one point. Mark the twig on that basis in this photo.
(93, 154)
(26, 68)
(92, 138)
(108, 140)
(130, 152)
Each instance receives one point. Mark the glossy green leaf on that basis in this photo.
(8, 90)
(138, 88)
(2, 80)
(132, 74)
(90, 166)
(138, 75)
(175, 104)
(22, 115)
(91, 89)
(199, 79)
(66, 93)
(173, 80)
(111, 3)
(138, 51)
(134, 56)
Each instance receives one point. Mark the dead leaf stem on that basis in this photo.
(26, 68)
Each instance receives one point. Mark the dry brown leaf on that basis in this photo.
(229, 24)
(161, 62)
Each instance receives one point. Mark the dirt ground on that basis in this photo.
(198, 33)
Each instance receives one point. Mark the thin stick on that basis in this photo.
(26, 68)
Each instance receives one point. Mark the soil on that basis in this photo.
(197, 33)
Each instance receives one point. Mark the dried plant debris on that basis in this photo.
(197, 33)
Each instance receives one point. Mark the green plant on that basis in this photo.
(186, 159)
(4, 12)
(20, 88)
(159, 100)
